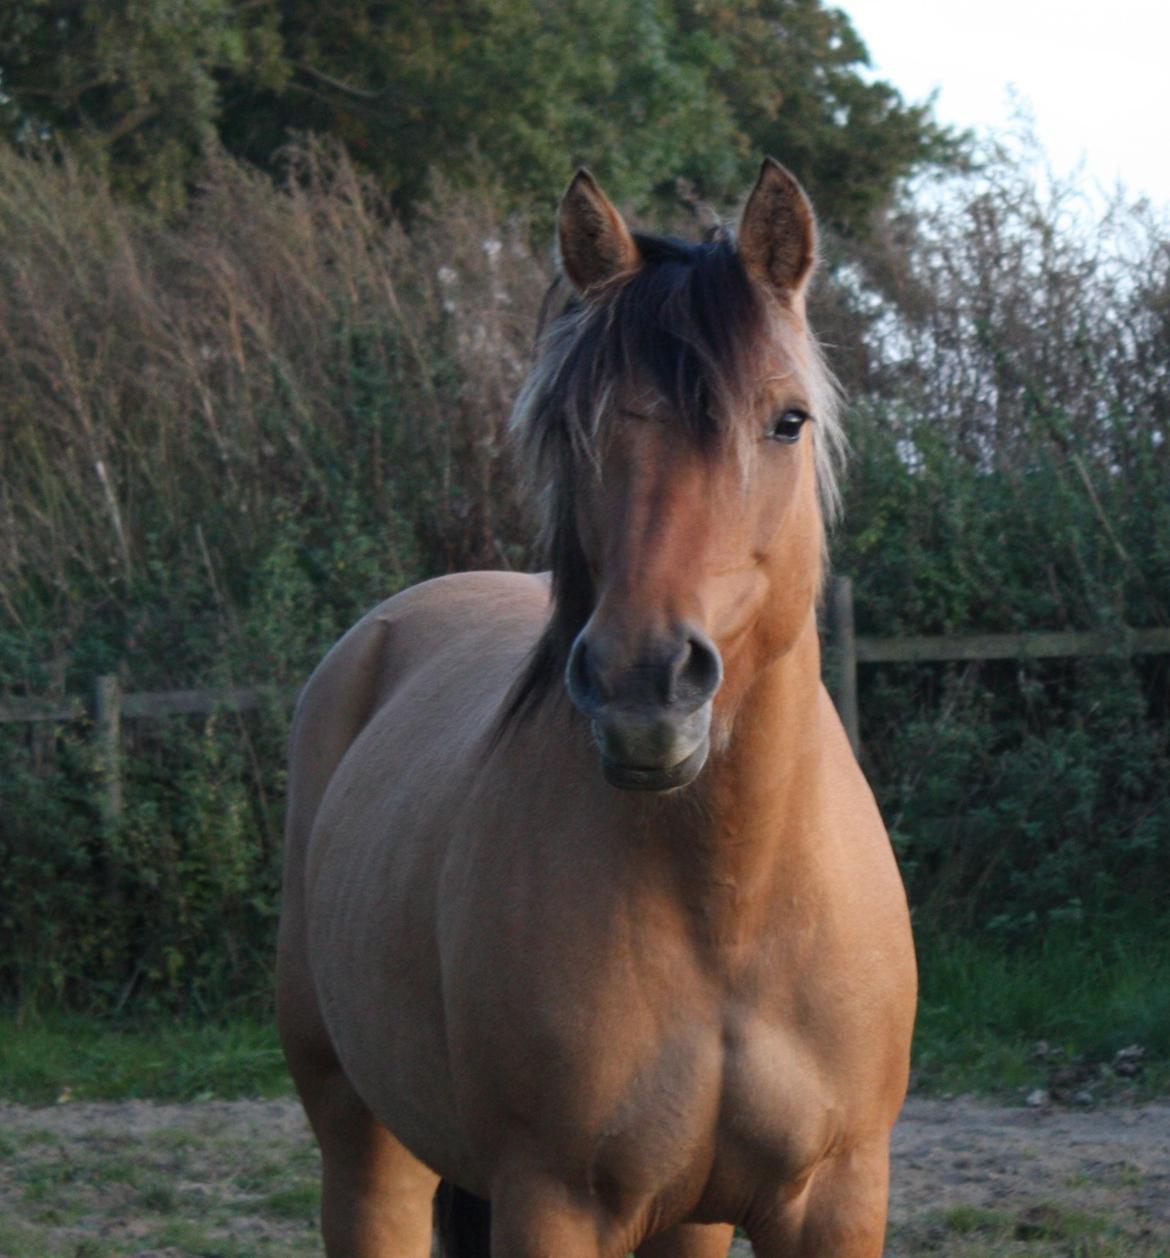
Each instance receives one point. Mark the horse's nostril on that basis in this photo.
(701, 671)
(578, 678)
(677, 672)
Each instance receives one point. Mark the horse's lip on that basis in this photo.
(633, 777)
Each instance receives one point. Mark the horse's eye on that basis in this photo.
(786, 427)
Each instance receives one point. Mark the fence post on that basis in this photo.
(107, 736)
(845, 648)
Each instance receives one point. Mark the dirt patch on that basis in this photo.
(1047, 1180)
(219, 1179)
(232, 1179)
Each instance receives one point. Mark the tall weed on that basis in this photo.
(225, 438)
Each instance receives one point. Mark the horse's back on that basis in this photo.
(484, 622)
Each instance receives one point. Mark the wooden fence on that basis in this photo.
(107, 706)
(848, 650)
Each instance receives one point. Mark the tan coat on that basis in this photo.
(630, 1018)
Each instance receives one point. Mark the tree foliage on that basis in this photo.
(648, 92)
(136, 84)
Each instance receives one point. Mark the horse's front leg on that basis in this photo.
(376, 1197)
(841, 1212)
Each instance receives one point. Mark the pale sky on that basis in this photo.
(1096, 77)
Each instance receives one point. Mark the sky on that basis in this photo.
(1095, 77)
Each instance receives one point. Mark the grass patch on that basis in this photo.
(31, 1241)
(158, 1196)
(232, 1189)
(1043, 1230)
(967, 1220)
(984, 1006)
(298, 1201)
(185, 1236)
(265, 1175)
(73, 1058)
(1088, 993)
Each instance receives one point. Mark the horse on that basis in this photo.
(591, 930)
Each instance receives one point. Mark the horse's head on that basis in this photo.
(682, 430)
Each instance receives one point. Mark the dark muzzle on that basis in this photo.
(649, 703)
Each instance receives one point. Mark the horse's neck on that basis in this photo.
(750, 839)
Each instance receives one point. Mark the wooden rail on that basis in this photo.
(146, 703)
(1012, 646)
(107, 706)
(847, 650)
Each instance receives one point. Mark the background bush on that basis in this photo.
(1011, 472)
(229, 431)
(224, 438)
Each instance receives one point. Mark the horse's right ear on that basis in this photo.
(596, 245)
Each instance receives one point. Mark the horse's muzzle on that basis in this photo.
(641, 755)
(650, 708)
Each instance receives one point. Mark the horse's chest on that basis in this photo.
(775, 1106)
(715, 1110)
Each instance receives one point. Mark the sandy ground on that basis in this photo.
(1032, 1168)
(232, 1179)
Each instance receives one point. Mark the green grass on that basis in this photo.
(1044, 1230)
(96, 1190)
(1088, 993)
(298, 1201)
(984, 1006)
(73, 1058)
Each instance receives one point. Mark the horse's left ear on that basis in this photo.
(778, 233)
(596, 245)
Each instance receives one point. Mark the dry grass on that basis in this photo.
(170, 389)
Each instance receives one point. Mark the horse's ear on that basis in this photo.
(596, 245)
(778, 233)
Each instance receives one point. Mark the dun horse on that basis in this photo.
(588, 909)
